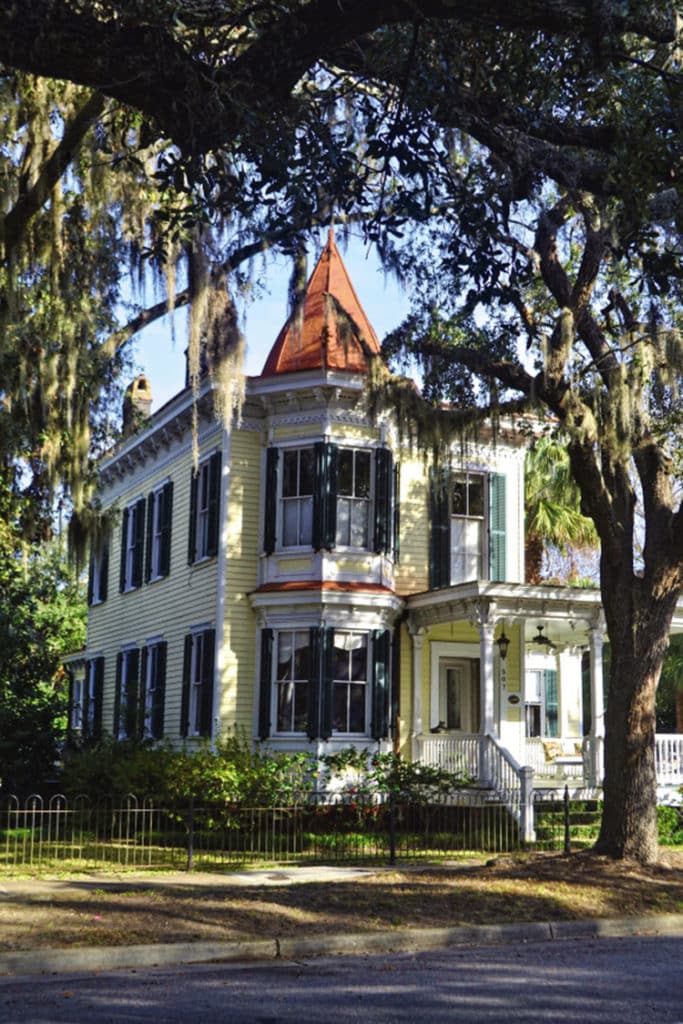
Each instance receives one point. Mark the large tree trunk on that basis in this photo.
(533, 558)
(638, 627)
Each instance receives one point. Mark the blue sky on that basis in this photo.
(163, 361)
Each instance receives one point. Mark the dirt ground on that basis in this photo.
(114, 911)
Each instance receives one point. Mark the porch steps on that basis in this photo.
(584, 823)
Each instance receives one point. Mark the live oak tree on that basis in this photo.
(586, 274)
(539, 145)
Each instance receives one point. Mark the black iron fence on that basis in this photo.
(137, 834)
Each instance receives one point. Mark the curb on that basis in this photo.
(414, 940)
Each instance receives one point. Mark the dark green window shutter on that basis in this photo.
(166, 521)
(117, 695)
(265, 687)
(124, 545)
(397, 513)
(440, 529)
(104, 569)
(383, 487)
(192, 535)
(206, 712)
(91, 574)
(151, 501)
(325, 495)
(326, 677)
(142, 693)
(139, 542)
(381, 683)
(551, 703)
(315, 652)
(185, 698)
(270, 513)
(214, 504)
(159, 692)
(497, 527)
(99, 692)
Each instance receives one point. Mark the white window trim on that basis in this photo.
(155, 539)
(369, 502)
(281, 499)
(275, 683)
(77, 692)
(123, 690)
(445, 650)
(194, 689)
(482, 521)
(339, 734)
(150, 646)
(132, 508)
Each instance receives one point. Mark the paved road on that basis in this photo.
(613, 981)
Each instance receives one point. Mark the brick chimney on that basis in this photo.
(137, 405)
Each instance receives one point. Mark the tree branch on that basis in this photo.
(200, 103)
(13, 225)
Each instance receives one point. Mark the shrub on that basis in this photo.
(232, 773)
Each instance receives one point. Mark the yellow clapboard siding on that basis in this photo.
(165, 608)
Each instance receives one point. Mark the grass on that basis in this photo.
(121, 909)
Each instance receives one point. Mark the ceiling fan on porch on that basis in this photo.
(542, 640)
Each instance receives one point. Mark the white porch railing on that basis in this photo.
(512, 782)
(569, 759)
(669, 759)
(453, 753)
(484, 759)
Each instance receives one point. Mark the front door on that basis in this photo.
(458, 695)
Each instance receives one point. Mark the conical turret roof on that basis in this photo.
(325, 334)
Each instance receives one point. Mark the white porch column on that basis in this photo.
(597, 706)
(417, 637)
(486, 696)
(486, 682)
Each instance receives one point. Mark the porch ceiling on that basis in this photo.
(566, 613)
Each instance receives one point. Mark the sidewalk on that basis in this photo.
(406, 939)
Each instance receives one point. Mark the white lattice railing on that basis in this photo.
(669, 758)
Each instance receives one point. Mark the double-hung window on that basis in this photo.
(292, 680)
(77, 692)
(204, 509)
(153, 679)
(85, 700)
(297, 496)
(198, 670)
(325, 496)
(98, 575)
(159, 518)
(126, 694)
(541, 706)
(350, 682)
(132, 545)
(467, 527)
(353, 497)
(324, 681)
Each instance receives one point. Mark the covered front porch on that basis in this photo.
(506, 685)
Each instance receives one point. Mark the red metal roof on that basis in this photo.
(321, 339)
